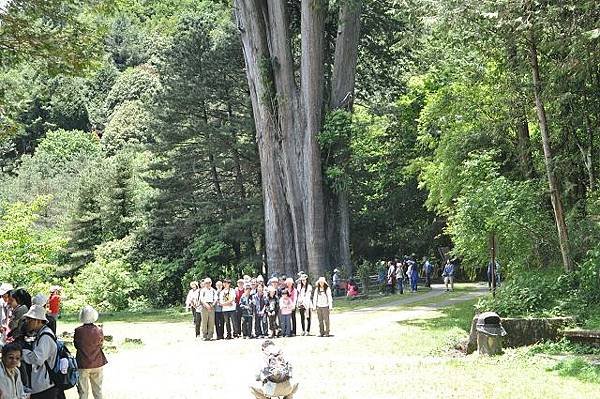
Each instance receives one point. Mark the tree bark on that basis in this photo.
(555, 196)
(342, 96)
(287, 119)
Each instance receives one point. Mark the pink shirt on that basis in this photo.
(286, 306)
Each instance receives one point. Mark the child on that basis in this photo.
(246, 307)
(286, 307)
(272, 310)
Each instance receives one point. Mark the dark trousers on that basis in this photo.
(273, 324)
(261, 327)
(197, 321)
(220, 324)
(427, 280)
(293, 316)
(305, 319)
(228, 320)
(400, 285)
(237, 322)
(51, 393)
(247, 326)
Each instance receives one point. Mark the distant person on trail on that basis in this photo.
(391, 277)
(189, 300)
(427, 271)
(227, 300)
(337, 281)
(88, 341)
(489, 274)
(197, 309)
(448, 275)
(399, 276)
(275, 375)
(413, 274)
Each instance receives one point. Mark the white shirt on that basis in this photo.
(207, 296)
(226, 296)
(11, 385)
(322, 299)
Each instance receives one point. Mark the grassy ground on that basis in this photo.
(393, 351)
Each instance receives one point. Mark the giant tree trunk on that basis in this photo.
(342, 96)
(287, 119)
(555, 196)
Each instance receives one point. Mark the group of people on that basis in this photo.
(407, 272)
(30, 350)
(259, 309)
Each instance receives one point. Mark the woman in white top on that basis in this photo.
(323, 303)
(11, 386)
(304, 303)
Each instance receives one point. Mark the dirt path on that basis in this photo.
(173, 364)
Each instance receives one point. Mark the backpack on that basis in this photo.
(278, 369)
(67, 380)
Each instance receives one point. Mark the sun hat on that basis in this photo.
(5, 287)
(194, 284)
(336, 270)
(247, 286)
(88, 315)
(304, 277)
(227, 281)
(55, 288)
(260, 278)
(36, 312)
(40, 300)
(273, 280)
(207, 280)
(321, 280)
(300, 273)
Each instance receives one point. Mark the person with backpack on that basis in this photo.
(40, 354)
(448, 275)
(11, 386)
(88, 340)
(276, 376)
(428, 271)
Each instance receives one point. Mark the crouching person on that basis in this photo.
(88, 340)
(275, 376)
(40, 352)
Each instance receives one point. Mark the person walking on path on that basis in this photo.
(207, 301)
(428, 271)
(337, 281)
(391, 277)
(41, 351)
(88, 341)
(54, 301)
(227, 300)
(323, 303)
(399, 276)
(448, 275)
(304, 303)
(413, 274)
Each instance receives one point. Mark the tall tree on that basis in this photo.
(288, 117)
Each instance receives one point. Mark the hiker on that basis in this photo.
(399, 276)
(239, 291)
(247, 310)
(207, 300)
(11, 386)
(219, 318)
(5, 309)
(189, 299)
(42, 300)
(88, 340)
(448, 275)
(413, 274)
(42, 350)
(428, 271)
(304, 303)
(272, 310)
(275, 377)
(260, 303)
(391, 277)
(227, 301)
(197, 309)
(19, 302)
(322, 303)
(336, 280)
(54, 301)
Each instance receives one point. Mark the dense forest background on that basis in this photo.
(128, 161)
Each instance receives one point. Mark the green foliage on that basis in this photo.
(579, 368)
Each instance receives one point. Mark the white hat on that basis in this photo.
(207, 281)
(321, 280)
(36, 312)
(304, 276)
(336, 270)
(88, 315)
(40, 300)
(55, 288)
(5, 287)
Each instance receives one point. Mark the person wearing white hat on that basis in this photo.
(88, 340)
(207, 301)
(304, 303)
(4, 309)
(43, 349)
(323, 303)
(337, 281)
(42, 300)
